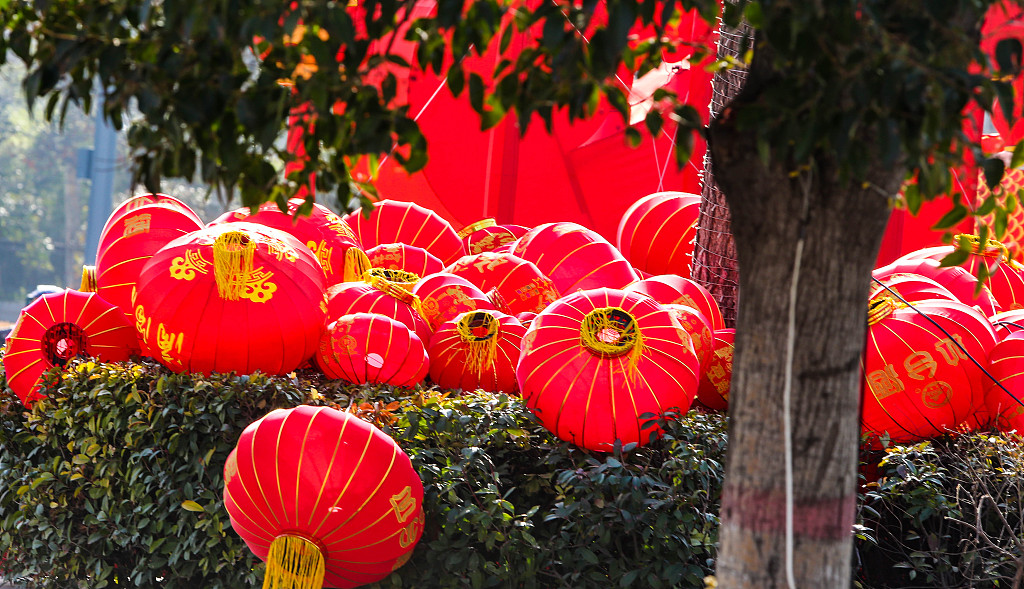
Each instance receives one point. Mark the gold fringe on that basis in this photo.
(393, 289)
(881, 307)
(357, 263)
(88, 279)
(611, 332)
(401, 278)
(993, 248)
(233, 253)
(479, 330)
(294, 563)
(474, 227)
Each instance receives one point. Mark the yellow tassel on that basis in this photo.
(993, 248)
(88, 279)
(400, 278)
(479, 330)
(474, 227)
(610, 332)
(394, 289)
(356, 264)
(881, 307)
(294, 563)
(233, 253)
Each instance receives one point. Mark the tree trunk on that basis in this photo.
(812, 238)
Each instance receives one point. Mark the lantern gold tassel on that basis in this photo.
(356, 264)
(232, 263)
(612, 332)
(479, 331)
(294, 563)
(88, 279)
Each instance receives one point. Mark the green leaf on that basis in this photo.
(955, 258)
(1008, 56)
(993, 168)
(190, 505)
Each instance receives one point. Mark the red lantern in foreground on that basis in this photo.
(323, 497)
(477, 350)
(443, 296)
(574, 257)
(235, 297)
(520, 284)
(656, 234)
(392, 221)
(674, 289)
(593, 362)
(57, 327)
(370, 348)
(400, 256)
(716, 374)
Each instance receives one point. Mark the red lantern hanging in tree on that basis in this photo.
(574, 257)
(656, 234)
(57, 327)
(323, 497)
(235, 297)
(520, 284)
(676, 290)
(380, 296)
(477, 350)
(402, 222)
(593, 362)
(400, 256)
(370, 348)
(716, 374)
(443, 296)
(486, 235)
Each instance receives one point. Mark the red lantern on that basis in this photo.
(1007, 322)
(656, 234)
(1004, 402)
(676, 290)
(325, 234)
(574, 257)
(443, 296)
(486, 235)
(402, 222)
(921, 380)
(57, 327)
(526, 318)
(520, 284)
(911, 288)
(379, 296)
(128, 241)
(958, 281)
(323, 497)
(697, 326)
(716, 374)
(235, 297)
(150, 199)
(477, 350)
(400, 256)
(593, 362)
(370, 348)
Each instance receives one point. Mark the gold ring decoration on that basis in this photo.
(881, 307)
(479, 330)
(474, 227)
(400, 278)
(993, 248)
(610, 332)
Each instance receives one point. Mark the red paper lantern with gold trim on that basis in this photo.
(401, 256)
(379, 296)
(521, 285)
(593, 362)
(574, 257)
(697, 326)
(57, 327)
(325, 498)
(912, 288)
(486, 235)
(716, 374)
(370, 348)
(325, 234)
(142, 200)
(477, 350)
(656, 234)
(1007, 322)
(443, 296)
(393, 221)
(957, 280)
(235, 297)
(676, 290)
(920, 377)
(1004, 402)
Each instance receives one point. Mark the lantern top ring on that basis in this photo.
(610, 331)
(474, 227)
(478, 326)
(881, 307)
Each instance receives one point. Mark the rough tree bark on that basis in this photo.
(812, 237)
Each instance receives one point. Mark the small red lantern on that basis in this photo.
(957, 280)
(477, 350)
(393, 221)
(380, 296)
(697, 326)
(657, 233)
(370, 348)
(486, 235)
(443, 296)
(57, 327)
(574, 257)
(1004, 402)
(676, 290)
(323, 497)
(716, 374)
(400, 256)
(593, 362)
(235, 297)
(329, 238)
(520, 284)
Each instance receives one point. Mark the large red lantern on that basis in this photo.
(924, 367)
(128, 241)
(595, 361)
(401, 256)
(57, 327)
(142, 200)
(325, 234)
(957, 280)
(1004, 402)
(370, 348)
(486, 235)
(235, 297)
(676, 290)
(716, 374)
(325, 498)
(402, 222)
(380, 296)
(574, 257)
(656, 234)
(477, 350)
(520, 284)
(443, 296)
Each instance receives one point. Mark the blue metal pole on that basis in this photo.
(101, 172)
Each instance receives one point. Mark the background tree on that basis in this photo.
(842, 100)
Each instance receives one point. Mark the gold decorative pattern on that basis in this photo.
(188, 266)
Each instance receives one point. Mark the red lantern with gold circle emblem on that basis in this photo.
(923, 367)
(57, 327)
(595, 361)
(329, 238)
(716, 374)
(380, 296)
(235, 297)
(520, 284)
(477, 350)
(403, 222)
(656, 234)
(674, 289)
(486, 235)
(574, 257)
(443, 296)
(401, 256)
(325, 498)
(370, 348)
